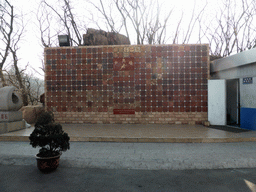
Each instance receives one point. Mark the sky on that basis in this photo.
(31, 51)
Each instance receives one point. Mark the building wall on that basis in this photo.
(248, 104)
(234, 68)
(248, 94)
(248, 70)
(127, 84)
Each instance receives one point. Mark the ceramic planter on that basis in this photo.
(48, 164)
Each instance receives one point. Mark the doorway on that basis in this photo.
(233, 102)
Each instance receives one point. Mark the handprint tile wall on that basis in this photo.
(127, 84)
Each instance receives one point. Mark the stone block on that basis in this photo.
(9, 101)
(9, 116)
(6, 127)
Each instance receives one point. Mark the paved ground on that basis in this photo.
(146, 156)
(30, 179)
(141, 133)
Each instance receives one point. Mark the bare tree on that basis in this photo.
(32, 86)
(234, 30)
(147, 21)
(6, 30)
(194, 19)
(137, 18)
(44, 19)
(61, 15)
(11, 31)
(35, 88)
(18, 74)
(55, 18)
(155, 29)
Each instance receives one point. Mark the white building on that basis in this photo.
(233, 79)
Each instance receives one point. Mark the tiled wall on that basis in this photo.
(127, 84)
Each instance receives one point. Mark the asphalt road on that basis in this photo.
(96, 166)
(15, 178)
(145, 156)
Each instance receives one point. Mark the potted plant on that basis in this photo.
(52, 140)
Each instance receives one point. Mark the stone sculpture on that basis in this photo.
(100, 37)
(10, 117)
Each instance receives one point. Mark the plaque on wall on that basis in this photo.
(124, 111)
(247, 80)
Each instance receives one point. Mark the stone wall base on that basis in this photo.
(138, 118)
(10, 116)
(6, 127)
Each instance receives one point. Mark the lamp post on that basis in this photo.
(63, 40)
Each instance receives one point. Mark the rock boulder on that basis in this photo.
(31, 112)
(100, 37)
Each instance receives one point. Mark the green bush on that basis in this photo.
(49, 136)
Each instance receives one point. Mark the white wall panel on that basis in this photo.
(217, 102)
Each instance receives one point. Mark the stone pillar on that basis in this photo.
(10, 117)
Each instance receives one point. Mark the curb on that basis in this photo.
(141, 139)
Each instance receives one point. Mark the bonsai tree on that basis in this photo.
(49, 136)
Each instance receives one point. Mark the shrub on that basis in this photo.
(49, 136)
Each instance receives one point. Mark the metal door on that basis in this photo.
(233, 102)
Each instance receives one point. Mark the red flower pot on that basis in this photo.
(48, 164)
